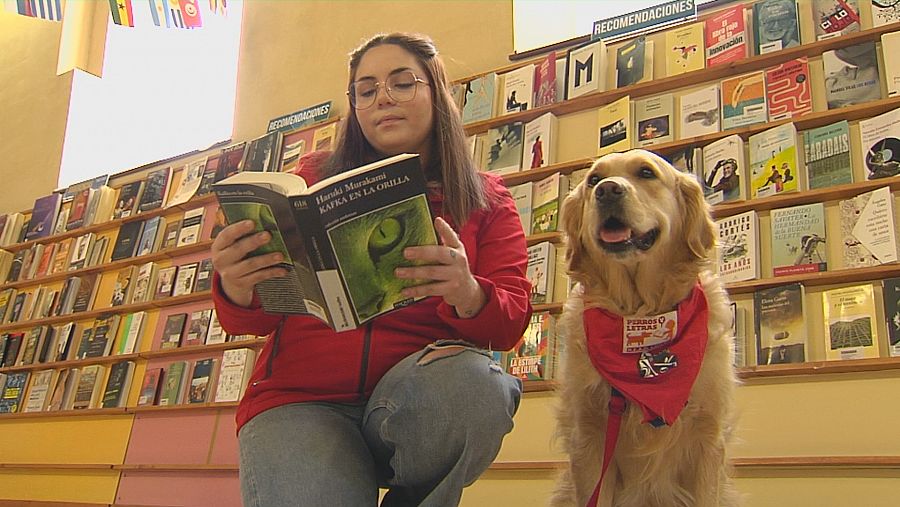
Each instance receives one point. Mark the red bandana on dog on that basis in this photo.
(656, 376)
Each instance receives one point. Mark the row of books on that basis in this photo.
(134, 239)
(133, 284)
(93, 201)
(98, 386)
(718, 40)
(867, 231)
(850, 321)
(774, 161)
(110, 334)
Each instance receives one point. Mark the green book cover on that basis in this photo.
(827, 155)
(798, 239)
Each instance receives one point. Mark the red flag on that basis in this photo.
(190, 9)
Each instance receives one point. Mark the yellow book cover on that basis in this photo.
(851, 331)
(685, 49)
(614, 132)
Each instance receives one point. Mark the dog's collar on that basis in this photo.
(657, 377)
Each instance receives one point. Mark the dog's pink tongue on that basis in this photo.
(615, 235)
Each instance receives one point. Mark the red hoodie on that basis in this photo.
(308, 361)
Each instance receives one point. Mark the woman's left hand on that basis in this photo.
(448, 270)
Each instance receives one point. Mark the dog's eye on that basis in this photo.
(646, 173)
(593, 180)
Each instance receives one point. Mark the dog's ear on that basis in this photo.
(697, 225)
(570, 218)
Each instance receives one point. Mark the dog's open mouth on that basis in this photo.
(616, 236)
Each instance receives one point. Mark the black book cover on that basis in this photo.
(127, 240)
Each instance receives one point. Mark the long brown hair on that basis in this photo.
(463, 187)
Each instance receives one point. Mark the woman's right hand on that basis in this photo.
(237, 273)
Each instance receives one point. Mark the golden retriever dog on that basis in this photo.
(639, 240)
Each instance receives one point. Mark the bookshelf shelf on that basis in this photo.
(112, 266)
(836, 276)
(667, 84)
(123, 309)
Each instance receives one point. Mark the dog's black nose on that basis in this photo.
(608, 191)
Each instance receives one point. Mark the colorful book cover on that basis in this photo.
(880, 140)
(127, 200)
(202, 379)
(13, 392)
(724, 168)
(885, 12)
(788, 90)
(197, 328)
(700, 112)
(827, 155)
(776, 25)
(480, 94)
(156, 189)
(150, 387)
(546, 201)
(850, 330)
(726, 36)
(737, 247)
(892, 314)
(43, 215)
(522, 194)
(743, 100)
(688, 159)
(541, 271)
(779, 314)
(868, 230)
(798, 239)
(890, 49)
(540, 142)
(172, 331)
(545, 81)
(518, 89)
(173, 382)
(833, 18)
(586, 69)
(685, 49)
(504, 146)
(851, 75)
(654, 121)
(531, 358)
(773, 161)
(615, 127)
(631, 62)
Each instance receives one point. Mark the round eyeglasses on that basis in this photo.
(400, 87)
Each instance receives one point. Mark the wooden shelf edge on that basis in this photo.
(88, 412)
(58, 466)
(887, 462)
(776, 370)
(820, 367)
(183, 407)
(799, 462)
(49, 503)
(121, 310)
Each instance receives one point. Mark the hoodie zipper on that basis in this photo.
(364, 367)
(275, 340)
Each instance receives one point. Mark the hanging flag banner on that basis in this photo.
(121, 12)
(190, 11)
(50, 10)
(160, 13)
(646, 20)
(301, 118)
(218, 7)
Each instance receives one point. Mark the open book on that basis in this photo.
(341, 238)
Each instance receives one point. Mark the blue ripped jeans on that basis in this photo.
(433, 426)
